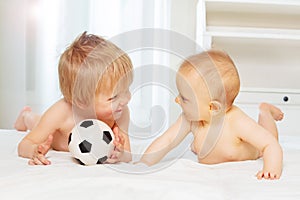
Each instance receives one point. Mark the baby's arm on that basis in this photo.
(263, 140)
(37, 142)
(166, 142)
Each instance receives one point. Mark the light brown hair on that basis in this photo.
(219, 72)
(89, 66)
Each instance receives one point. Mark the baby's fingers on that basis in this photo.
(262, 174)
(41, 149)
(273, 176)
(112, 160)
(116, 155)
(34, 161)
(122, 140)
(44, 148)
(116, 133)
(119, 139)
(39, 160)
(266, 175)
(119, 148)
(259, 175)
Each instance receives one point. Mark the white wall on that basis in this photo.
(183, 21)
(33, 35)
(21, 59)
(12, 60)
(35, 32)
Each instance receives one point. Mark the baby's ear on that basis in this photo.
(215, 107)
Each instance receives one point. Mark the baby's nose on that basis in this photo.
(125, 100)
(177, 100)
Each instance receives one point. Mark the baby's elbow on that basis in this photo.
(20, 152)
(25, 148)
(273, 147)
(148, 160)
(149, 164)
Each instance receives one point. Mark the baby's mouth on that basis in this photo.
(118, 111)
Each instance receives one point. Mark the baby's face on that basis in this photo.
(110, 106)
(193, 96)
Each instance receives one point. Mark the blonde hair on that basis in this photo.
(91, 65)
(218, 70)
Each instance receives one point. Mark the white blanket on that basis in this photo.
(181, 178)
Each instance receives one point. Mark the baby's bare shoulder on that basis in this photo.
(236, 113)
(239, 121)
(58, 111)
(61, 106)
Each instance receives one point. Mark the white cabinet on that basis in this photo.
(263, 38)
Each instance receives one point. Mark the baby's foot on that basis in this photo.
(276, 113)
(20, 124)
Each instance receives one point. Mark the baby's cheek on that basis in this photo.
(104, 114)
(115, 105)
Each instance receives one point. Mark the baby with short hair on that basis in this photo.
(208, 84)
(94, 77)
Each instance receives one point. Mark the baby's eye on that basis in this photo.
(113, 98)
(183, 99)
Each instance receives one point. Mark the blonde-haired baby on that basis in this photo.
(207, 84)
(94, 77)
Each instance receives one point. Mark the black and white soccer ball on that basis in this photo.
(91, 142)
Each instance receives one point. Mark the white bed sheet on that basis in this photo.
(183, 178)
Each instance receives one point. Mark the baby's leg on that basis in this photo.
(26, 119)
(268, 115)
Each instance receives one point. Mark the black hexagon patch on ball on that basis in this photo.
(87, 124)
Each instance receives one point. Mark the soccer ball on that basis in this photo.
(91, 142)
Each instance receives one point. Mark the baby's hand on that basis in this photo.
(268, 174)
(38, 157)
(119, 139)
(119, 147)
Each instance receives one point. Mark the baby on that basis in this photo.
(207, 84)
(94, 77)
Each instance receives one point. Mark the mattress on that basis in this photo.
(178, 176)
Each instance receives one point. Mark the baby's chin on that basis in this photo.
(191, 118)
(117, 115)
(187, 117)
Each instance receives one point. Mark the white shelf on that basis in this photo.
(246, 32)
(274, 97)
(271, 2)
(270, 90)
(263, 38)
(255, 14)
